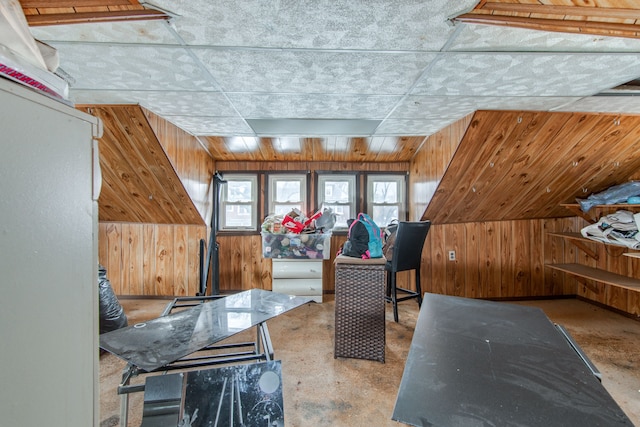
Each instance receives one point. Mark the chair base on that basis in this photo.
(392, 297)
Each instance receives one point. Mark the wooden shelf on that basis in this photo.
(575, 208)
(598, 275)
(579, 240)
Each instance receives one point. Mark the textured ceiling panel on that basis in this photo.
(438, 107)
(312, 105)
(314, 72)
(99, 66)
(163, 103)
(156, 32)
(216, 64)
(607, 104)
(523, 74)
(490, 38)
(312, 24)
(203, 125)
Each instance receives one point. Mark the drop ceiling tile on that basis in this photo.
(605, 104)
(523, 74)
(97, 66)
(541, 103)
(433, 107)
(410, 127)
(129, 32)
(325, 24)
(312, 106)
(473, 37)
(161, 102)
(221, 126)
(439, 107)
(314, 72)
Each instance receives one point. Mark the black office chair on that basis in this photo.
(407, 255)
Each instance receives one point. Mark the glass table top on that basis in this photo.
(158, 342)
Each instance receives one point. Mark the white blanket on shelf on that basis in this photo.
(619, 228)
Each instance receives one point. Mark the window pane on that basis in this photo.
(238, 216)
(288, 191)
(336, 191)
(239, 204)
(385, 192)
(285, 209)
(239, 191)
(382, 215)
(343, 213)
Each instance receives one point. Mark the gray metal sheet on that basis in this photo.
(483, 363)
(158, 342)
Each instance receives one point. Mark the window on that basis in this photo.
(238, 202)
(385, 198)
(338, 192)
(287, 192)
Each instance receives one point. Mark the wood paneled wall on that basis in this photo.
(513, 165)
(494, 259)
(430, 163)
(191, 161)
(241, 262)
(151, 259)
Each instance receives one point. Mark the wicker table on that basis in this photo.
(360, 307)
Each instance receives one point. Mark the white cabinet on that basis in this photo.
(300, 277)
(49, 325)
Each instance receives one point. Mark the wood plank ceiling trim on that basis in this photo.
(330, 149)
(61, 12)
(566, 18)
(514, 165)
(74, 3)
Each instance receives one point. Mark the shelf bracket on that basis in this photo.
(576, 210)
(591, 286)
(587, 250)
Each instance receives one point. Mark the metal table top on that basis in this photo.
(158, 342)
(483, 363)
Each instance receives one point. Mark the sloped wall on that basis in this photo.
(525, 165)
(155, 203)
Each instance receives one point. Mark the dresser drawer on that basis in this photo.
(287, 269)
(302, 287)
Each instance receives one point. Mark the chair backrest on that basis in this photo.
(407, 250)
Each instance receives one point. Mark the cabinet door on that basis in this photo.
(49, 263)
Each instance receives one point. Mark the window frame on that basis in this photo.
(401, 180)
(223, 203)
(353, 196)
(271, 181)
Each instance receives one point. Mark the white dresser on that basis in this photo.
(300, 277)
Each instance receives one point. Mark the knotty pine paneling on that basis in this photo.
(513, 165)
(275, 166)
(151, 259)
(429, 164)
(242, 266)
(496, 259)
(191, 161)
(385, 149)
(139, 183)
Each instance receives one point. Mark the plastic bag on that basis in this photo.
(612, 195)
(112, 315)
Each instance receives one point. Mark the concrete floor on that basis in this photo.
(322, 391)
